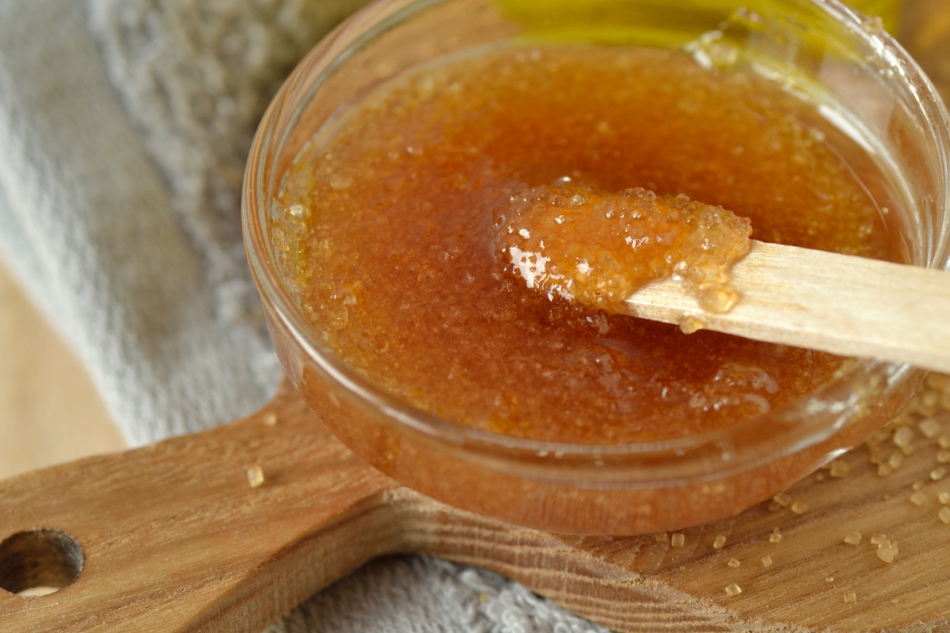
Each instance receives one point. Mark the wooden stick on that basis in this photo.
(835, 303)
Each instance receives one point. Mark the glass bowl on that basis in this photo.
(818, 47)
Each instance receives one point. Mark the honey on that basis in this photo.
(390, 226)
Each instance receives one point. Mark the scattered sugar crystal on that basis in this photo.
(853, 538)
(886, 548)
(733, 590)
(255, 476)
(734, 562)
(678, 540)
(767, 561)
(799, 507)
(886, 554)
(903, 437)
(938, 473)
(783, 499)
(850, 597)
(943, 497)
(919, 498)
(944, 514)
(839, 469)
(895, 460)
(719, 542)
(928, 400)
(930, 427)
(775, 536)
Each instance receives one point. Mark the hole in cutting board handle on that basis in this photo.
(39, 562)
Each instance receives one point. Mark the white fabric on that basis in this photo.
(124, 127)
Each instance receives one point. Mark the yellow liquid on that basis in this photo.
(888, 10)
(612, 20)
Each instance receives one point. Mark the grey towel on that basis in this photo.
(124, 129)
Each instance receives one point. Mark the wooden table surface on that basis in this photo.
(50, 412)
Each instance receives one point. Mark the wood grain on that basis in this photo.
(176, 538)
(852, 306)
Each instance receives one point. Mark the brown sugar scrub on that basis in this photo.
(372, 221)
(598, 248)
(393, 224)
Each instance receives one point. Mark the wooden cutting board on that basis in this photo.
(228, 529)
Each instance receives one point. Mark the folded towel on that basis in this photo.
(124, 129)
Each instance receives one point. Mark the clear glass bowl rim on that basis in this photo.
(798, 431)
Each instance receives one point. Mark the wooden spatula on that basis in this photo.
(598, 248)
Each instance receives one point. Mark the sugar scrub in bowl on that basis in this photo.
(389, 166)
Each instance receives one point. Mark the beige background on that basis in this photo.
(49, 410)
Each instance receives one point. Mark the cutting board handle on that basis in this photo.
(228, 529)
(234, 525)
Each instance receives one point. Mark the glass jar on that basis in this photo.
(818, 47)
